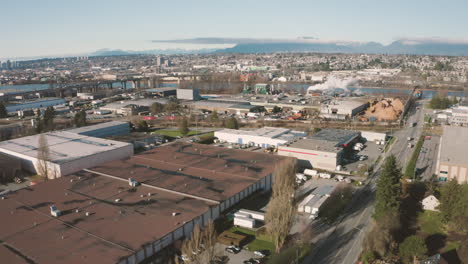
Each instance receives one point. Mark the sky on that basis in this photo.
(65, 27)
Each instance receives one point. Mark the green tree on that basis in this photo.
(172, 106)
(388, 188)
(3, 111)
(156, 108)
(232, 123)
(80, 118)
(48, 118)
(183, 126)
(368, 257)
(214, 116)
(454, 204)
(276, 109)
(412, 247)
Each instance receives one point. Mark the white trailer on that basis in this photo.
(253, 214)
(244, 222)
(300, 207)
(310, 172)
(325, 175)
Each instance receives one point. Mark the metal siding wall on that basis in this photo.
(140, 255)
(167, 240)
(149, 250)
(215, 212)
(188, 227)
(206, 218)
(179, 232)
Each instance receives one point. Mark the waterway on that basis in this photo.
(292, 86)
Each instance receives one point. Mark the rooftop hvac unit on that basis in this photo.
(132, 182)
(54, 211)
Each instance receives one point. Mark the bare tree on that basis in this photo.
(200, 247)
(43, 159)
(280, 211)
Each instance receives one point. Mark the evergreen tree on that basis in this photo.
(276, 109)
(232, 123)
(48, 119)
(412, 247)
(183, 126)
(80, 119)
(3, 111)
(454, 204)
(214, 116)
(388, 188)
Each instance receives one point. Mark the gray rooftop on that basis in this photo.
(454, 145)
(329, 140)
(63, 146)
(85, 129)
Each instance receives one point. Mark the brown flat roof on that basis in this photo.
(113, 229)
(119, 229)
(201, 170)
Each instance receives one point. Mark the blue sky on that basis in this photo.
(59, 27)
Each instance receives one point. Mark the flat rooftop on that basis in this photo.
(104, 125)
(454, 145)
(329, 140)
(269, 132)
(199, 170)
(64, 146)
(111, 231)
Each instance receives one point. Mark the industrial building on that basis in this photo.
(101, 218)
(188, 94)
(373, 136)
(35, 104)
(323, 150)
(263, 137)
(131, 107)
(452, 160)
(102, 130)
(162, 92)
(69, 152)
(342, 109)
(313, 202)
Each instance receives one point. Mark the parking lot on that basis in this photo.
(371, 150)
(238, 258)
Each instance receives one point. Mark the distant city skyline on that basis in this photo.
(55, 28)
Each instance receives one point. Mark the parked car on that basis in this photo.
(262, 253)
(233, 249)
(252, 261)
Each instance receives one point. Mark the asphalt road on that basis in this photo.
(342, 243)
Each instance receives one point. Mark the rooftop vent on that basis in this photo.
(180, 169)
(132, 182)
(118, 200)
(175, 213)
(87, 213)
(149, 194)
(71, 180)
(77, 210)
(142, 195)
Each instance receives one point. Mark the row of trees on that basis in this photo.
(200, 247)
(438, 102)
(381, 242)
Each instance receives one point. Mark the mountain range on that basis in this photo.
(416, 46)
(397, 47)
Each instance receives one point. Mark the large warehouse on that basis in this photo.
(69, 152)
(452, 160)
(102, 130)
(104, 219)
(345, 108)
(263, 137)
(323, 150)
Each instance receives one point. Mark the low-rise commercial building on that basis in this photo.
(323, 150)
(263, 137)
(68, 152)
(452, 158)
